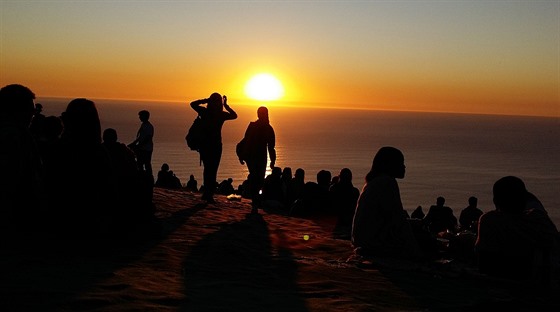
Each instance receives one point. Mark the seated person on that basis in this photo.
(440, 218)
(470, 215)
(512, 242)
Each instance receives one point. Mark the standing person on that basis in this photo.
(213, 116)
(143, 146)
(380, 227)
(468, 219)
(259, 137)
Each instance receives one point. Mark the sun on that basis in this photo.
(264, 87)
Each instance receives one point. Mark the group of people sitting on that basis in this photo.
(63, 178)
(517, 240)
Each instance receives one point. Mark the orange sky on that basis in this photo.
(499, 57)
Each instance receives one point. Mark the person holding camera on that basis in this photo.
(213, 117)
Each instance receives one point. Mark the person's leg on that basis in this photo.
(211, 163)
(256, 181)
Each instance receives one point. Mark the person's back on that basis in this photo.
(82, 184)
(344, 199)
(511, 241)
(440, 218)
(192, 184)
(259, 141)
(20, 163)
(468, 219)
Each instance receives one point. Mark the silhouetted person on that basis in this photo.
(295, 189)
(316, 196)
(440, 218)
(192, 184)
(344, 198)
(143, 145)
(81, 181)
(134, 192)
(417, 213)
(37, 123)
(259, 138)
(213, 116)
(272, 193)
(20, 163)
(380, 227)
(226, 187)
(468, 219)
(513, 242)
(286, 179)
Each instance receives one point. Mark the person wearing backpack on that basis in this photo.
(259, 137)
(213, 117)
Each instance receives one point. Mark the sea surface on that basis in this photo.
(451, 155)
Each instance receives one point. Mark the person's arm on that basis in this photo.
(232, 114)
(271, 148)
(196, 105)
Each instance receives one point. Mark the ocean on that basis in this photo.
(451, 155)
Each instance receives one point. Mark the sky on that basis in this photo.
(487, 57)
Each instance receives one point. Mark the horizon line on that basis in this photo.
(307, 105)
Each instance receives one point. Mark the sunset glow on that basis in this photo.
(264, 87)
(489, 57)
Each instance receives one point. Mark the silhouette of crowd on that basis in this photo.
(64, 177)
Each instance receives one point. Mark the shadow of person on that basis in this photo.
(236, 269)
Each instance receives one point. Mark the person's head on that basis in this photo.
(144, 115)
(276, 171)
(191, 177)
(440, 201)
(473, 201)
(324, 177)
(262, 114)
(299, 174)
(16, 104)
(52, 127)
(345, 175)
(389, 161)
(165, 167)
(215, 103)
(510, 194)
(287, 173)
(81, 122)
(110, 135)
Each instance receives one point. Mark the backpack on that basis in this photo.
(195, 135)
(243, 148)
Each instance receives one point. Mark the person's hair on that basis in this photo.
(300, 173)
(345, 175)
(17, 100)
(110, 135)
(510, 194)
(81, 122)
(387, 161)
(215, 103)
(144, 114)
(262, 114)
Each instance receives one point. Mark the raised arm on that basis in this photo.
(232, 113)
(196, 105)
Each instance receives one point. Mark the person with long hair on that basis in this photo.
(380, 226)
(214, 117)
